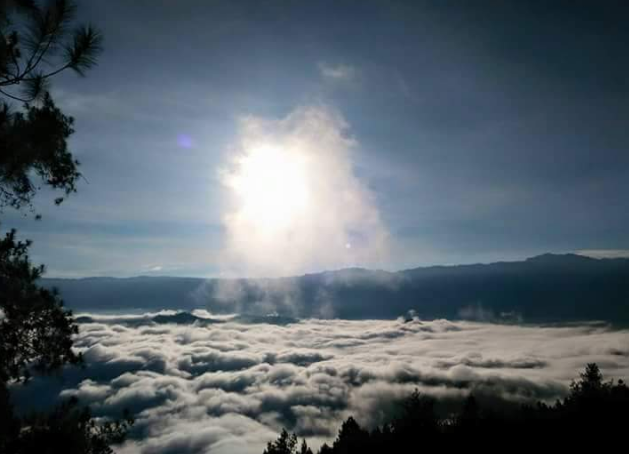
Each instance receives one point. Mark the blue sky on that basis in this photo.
(487, 132)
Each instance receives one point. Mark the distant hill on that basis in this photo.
(546, 288)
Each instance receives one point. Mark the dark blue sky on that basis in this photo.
(485, 131)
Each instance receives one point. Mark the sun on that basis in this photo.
(272, 186)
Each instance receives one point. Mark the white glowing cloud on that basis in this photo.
(295, 203)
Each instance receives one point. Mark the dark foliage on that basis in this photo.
(36, 337)
(594, 412)
(39, 41)
(35, 330)
(34, 143)
(287, 444)
(36, 43)
(68, 428)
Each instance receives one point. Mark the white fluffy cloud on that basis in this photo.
(229, 387)
(294, 202)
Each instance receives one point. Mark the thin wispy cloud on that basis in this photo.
(339, 72)
(604, 253)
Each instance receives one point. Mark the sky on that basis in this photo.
(426, 133)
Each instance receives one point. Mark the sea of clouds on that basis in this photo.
(229, 387)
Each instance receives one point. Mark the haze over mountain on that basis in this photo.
(545, 288)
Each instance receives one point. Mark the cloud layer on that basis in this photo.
(229, 387)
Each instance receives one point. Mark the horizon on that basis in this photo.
(595, 255)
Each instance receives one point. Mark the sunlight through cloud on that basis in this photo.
(294, 202)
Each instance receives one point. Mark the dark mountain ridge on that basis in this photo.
(545, 288)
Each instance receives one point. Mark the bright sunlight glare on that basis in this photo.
(272, 186)
(293, 203)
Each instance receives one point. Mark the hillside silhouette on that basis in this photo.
(546, 288)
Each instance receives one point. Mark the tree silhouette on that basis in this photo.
(9, 424)
(304, 448)
(350, 438)
(591, 382)
(36, 43)
(418, 415)
(39, 42)
(593, 411)
(35, 330)
(286, 443)
(34, 143)
(467, 423)
(69, 429)
(325, 449)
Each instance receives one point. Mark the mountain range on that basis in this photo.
(546, 288)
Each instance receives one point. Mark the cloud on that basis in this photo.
(231, 386)
(339, 72)
(605, 253)
(294, 202)
(76, 103)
